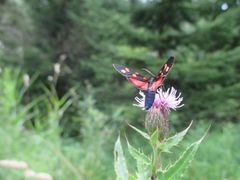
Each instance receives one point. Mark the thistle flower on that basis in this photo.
(157, 115)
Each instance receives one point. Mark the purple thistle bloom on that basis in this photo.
(163, 100)
(157, 115)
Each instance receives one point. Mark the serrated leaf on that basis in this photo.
(143, 163)
(138, 155)
(119, 161)
(144, 134)
(184, 160)
(174, 140)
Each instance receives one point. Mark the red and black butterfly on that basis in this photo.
(147, 84)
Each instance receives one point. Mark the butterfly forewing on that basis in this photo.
(135, 78)
(162, 74)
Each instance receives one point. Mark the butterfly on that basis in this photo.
(148, 85)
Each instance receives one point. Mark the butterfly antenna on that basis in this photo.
(149, 72)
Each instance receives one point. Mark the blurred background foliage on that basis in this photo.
(66, 122)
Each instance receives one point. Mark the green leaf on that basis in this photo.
(143, 163)
(138, 155)
(182, 163)
(154, 138)
(132, 177)
(160, 175)
(144, 134)
(174, 140)
(119, 161)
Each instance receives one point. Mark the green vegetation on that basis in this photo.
(62, 105)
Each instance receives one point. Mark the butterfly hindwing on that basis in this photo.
(143, 85)
(135, 78)
(162, 74)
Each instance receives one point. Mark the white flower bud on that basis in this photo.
(62, 57)
(50, 78)
(57, 68)
(26, 80)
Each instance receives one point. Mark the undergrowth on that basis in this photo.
(42, 146)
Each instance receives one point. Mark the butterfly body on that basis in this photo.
(148, 85)
(149, 99)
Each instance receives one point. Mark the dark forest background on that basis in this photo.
(65, 123)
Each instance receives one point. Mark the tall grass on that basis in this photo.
(32, 133)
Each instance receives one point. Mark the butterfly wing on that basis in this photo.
(158, 81)
(141, 82)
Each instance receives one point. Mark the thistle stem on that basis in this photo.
(156, 162)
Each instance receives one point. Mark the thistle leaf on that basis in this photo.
(174, 140)
(182, 163)
(143, 163)
(138, 155)
(119, 161)
(144, 134)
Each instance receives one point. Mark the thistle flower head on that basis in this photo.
(164, 100)
(157, 115)
(168, 100)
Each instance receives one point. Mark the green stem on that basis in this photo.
(156, 162)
